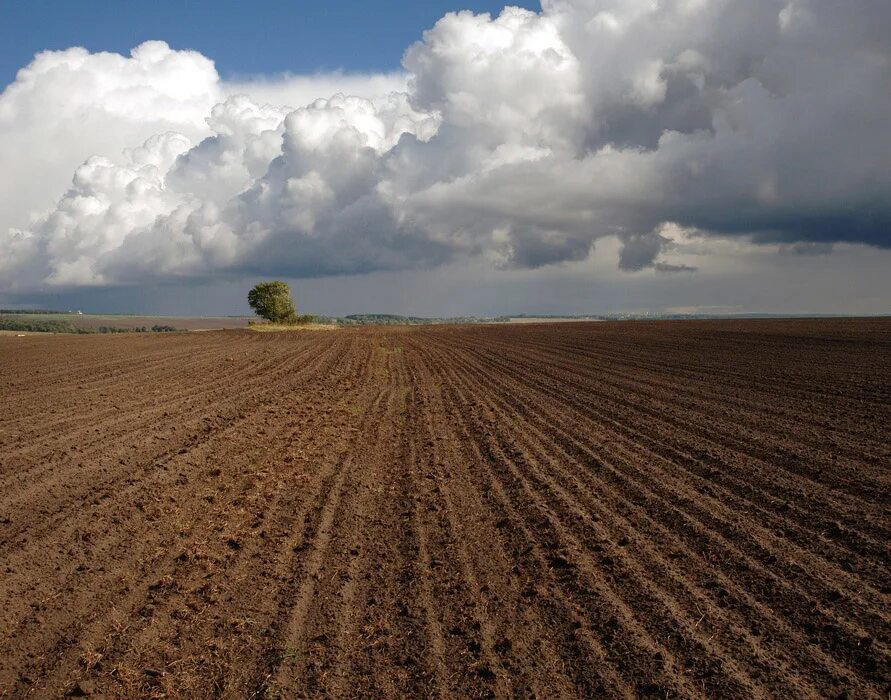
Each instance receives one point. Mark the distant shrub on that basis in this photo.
(34, 326)
(53, 326)
(307, 318)
(107, 329)
(163, 329)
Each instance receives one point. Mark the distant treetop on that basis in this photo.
(272, 301)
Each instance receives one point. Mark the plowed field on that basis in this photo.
(663, 509)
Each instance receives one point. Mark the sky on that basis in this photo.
(243, 39)
(578, 156)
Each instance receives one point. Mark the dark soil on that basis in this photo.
(654, 509)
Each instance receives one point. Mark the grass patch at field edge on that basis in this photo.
(279, 328)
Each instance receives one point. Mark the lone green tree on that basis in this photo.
(272, 301)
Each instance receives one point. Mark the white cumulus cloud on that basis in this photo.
(522, 138)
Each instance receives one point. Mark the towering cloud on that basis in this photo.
(521, 138)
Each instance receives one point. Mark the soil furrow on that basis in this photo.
(617, 510)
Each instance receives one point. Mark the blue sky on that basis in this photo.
(243, 38)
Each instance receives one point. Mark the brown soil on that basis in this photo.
(662, 509)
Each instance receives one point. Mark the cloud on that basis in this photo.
(66, 106)
(521, 139)
(288, 90)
